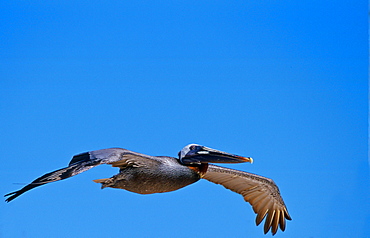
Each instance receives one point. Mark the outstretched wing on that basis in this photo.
(83, 162)
(262, 193)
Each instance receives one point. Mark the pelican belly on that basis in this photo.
(165, 177)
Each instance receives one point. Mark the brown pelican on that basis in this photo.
(146, 174)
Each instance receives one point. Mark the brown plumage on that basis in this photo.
(262, 193)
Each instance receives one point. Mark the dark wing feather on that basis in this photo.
(46, 178)
(116, 156)
(262, 193)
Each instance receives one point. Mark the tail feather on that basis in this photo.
(100, 180)
(104, 182)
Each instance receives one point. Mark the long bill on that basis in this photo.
(202, 154)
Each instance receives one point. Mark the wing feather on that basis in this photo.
(261, 205)
(268, 221)
(262, 193)
(260, 216)
(282, 222)
(275, 222)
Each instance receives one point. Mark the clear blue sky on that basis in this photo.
(284, 82)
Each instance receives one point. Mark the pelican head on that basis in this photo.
(197, 154)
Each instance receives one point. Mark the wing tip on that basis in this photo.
(270, 222)
(11, 196)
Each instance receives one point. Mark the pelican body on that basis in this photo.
(164, 174)
(146, 174)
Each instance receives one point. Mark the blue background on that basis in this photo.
(284, 82)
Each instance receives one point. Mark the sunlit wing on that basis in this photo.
(116, 156)
(262, 193)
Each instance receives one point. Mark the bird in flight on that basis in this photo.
(146, 174)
